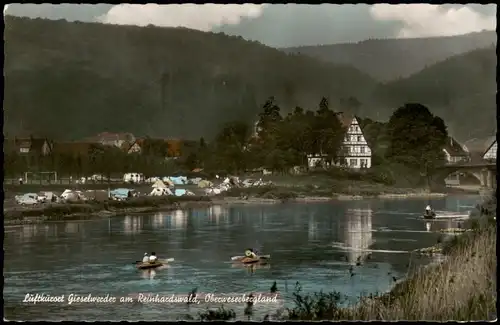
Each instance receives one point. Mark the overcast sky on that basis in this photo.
(285, 25)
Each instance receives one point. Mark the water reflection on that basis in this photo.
(158, 220)
(132, 224)
(313, 229)
(252, 268)
(179, 219)
(29, 232)
(72, 227)
(217, 213)
(148, 274)
(358, 234)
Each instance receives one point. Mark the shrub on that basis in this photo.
(218, 314)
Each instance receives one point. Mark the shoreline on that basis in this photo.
(86, 211)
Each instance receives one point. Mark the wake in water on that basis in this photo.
(375, 250)
(342, 246)
(397, 213)
(384, 229)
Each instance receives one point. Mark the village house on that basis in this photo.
(491, 152)
(33, 146)
(479, 149)
(454, 153)
(355, 152)
(112, 139)
(137, 147)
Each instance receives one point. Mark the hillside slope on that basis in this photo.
(390, 59)
(461, 89)
(71, 80)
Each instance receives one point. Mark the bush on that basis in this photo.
(379, 174)
(219, 314)
(319, 306)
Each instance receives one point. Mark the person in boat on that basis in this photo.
(153, 258)
(250, 253)
(428, 210)
(145, 259)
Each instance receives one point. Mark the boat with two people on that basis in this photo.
(151, 262)
(251, 257)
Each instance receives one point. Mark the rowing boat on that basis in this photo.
(250, 260)
(148, 265)
(429, 215)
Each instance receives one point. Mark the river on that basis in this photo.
(313, 244)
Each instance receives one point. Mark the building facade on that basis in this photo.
(356, 152)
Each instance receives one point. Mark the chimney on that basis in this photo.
(451, 142)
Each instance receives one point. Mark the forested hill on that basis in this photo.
(389, 59)
(72, 80)
(461, 89)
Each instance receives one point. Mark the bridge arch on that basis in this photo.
(485, 174)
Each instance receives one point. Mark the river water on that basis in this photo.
(314, 244)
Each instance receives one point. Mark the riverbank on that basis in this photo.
(285, 192)
(461, 288)
(93, 209)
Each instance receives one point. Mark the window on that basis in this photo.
(353, 162)
(353, 138)
(364, 163)
(24, 150)
(362, 149)
(360, 138)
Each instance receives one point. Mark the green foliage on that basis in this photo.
(416, 138)
(319, 306)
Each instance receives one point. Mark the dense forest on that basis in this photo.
(461, 89)
(78, 79)
(397, 58)
(72, 80)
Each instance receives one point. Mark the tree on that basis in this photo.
(269, 119)
(328, 131)
(416, 138)
(230, 144)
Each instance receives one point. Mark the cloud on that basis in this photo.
(67, 11)
(422, 20)
(202, 17)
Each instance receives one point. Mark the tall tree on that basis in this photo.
(416, 138)
(328, 131)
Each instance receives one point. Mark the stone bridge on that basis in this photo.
(484, 171)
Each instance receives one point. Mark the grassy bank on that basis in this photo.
(462, 288)
(340, 190)
(71, 211)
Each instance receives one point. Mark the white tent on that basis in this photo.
(168, 181)
(157, 191)
(159, 184)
